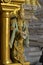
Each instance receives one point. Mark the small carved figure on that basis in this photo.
(19, 37)
(16, 41)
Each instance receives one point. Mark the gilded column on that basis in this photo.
(5, 33)
(5, 37)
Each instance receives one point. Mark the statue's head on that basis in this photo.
(21, 12)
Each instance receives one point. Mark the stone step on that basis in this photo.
(32, 54)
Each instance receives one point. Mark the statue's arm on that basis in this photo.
(15, 26)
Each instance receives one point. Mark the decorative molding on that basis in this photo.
(6, 1)
(9, 7)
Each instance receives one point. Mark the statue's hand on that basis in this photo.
(23, 34)
(10, 45)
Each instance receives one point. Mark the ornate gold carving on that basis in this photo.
(7, 7)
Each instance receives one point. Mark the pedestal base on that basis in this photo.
(26, 63)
